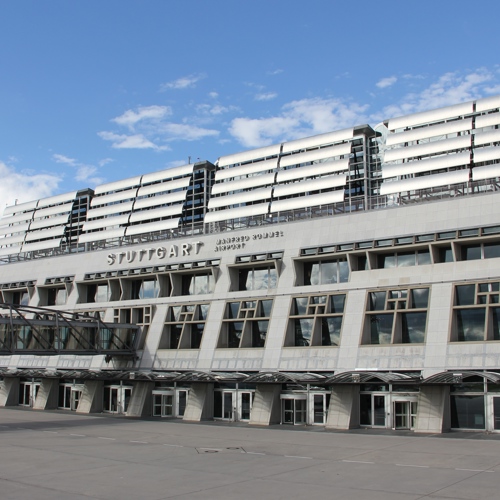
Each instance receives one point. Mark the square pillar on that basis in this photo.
(9, 391)
(200, 405)
(433, 413)
(344, 408)
(91, 398)
(266, 408)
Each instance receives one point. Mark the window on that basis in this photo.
(396, 316)
(245, 324)
(184, 326)
(476, 312)
(197, 284)
(257, 278)
(478, 251)
(326, 272)
(404, 259)
(315, 320)
(145, 289)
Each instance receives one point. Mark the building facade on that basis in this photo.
(347, 279)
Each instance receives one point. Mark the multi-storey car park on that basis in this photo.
(348, 279)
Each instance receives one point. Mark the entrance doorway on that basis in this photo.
(404, 414)
(28, 391)
(372, 410)
(233, 404)
(69, 395)
(169, 403)
(116, 398)
(293, 409)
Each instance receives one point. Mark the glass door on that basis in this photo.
(116, 398)
(373, 410)
(223, 404)
(245, 401)
(69, 396)
(28, 392)
(182, 397)
(294, 410)
(163, 404)
(319, 408)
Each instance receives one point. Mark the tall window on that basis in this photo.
(315, 320)
(476, 312)
(245, 324)
(184, 326)
(396, 316)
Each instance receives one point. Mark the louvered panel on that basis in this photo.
(318, 140)
(249, 168)
(156, 213)
(307, 201)
(106, 222)
(437, 163)
(316, 154)
(102, 235)
(236, 213)
(307, 186)
(430, 131)
(153, 227)
(242, 197)
(151, 201)
(313, 170)
(125, 184)
(425, 182)
(428, 148)
(431, 116)
(253, 154)
(249, 183)
(164, 186)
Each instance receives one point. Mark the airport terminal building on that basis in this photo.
(343, 280)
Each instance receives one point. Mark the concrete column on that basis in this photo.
(200, 405)
(140, 402)
(48, 395)
(266, 409)
(91, 398)
(343, 412)
(9, 392)
(433, 413)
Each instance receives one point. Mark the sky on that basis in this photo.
(96, 91)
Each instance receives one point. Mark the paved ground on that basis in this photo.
(56, 456)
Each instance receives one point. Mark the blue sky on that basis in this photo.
(95, 91)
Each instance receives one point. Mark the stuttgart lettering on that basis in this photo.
(147, 254)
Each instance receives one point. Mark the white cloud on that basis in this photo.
(84, 173)
(130, 117)
(64, 159)
(186, 132)
(105, 161)
(450, 88)
(298, 119)
(214, 109)
(25, 186)
(275, 72)
(267, 96)
(213, 95)
(386, 82)
(182, 83)
(136, 141)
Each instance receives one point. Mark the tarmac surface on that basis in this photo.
(58, 455)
